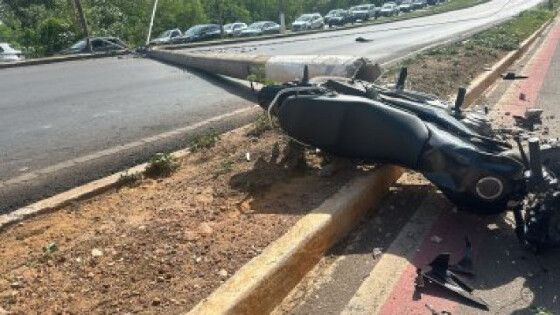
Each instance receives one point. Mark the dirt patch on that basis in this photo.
(161, 245)
(442, 71)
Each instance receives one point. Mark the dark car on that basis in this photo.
(338, 17)
(98, 45)
(419, 4)
(200, 33)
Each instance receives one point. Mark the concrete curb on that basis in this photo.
(48, 60)
(79, 193)
(481, 83)
(261, 284)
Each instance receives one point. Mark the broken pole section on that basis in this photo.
(274, 68)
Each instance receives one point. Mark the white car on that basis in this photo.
(8, 54)
(234, 29)
(166, 37)
(308, 22)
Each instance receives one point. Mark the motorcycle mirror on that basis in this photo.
(460, 100)
(402, 78)
(305, 79)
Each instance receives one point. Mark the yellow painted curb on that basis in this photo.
(481, 83)
(261, 284)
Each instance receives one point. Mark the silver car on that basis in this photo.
(8, 54)
(364, 12)
(166, 37)
(261, 28)
(234, 29)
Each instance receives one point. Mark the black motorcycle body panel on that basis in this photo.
(456, 167)
(357, 127)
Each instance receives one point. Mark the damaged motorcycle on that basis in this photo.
(457, 151)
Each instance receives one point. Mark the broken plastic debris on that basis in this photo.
(436, 239)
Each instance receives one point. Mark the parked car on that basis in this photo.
(389, 9)
(434, 2)
(308, 22)
(261, 28)
(166, 37)
(338, 17)
(199, 33)
(8, 54)
(406, 6)
(234, 29)
(98, 45)
(364, 12)
(419, 4)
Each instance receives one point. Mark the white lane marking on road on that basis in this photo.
(70, 163)
(375, 289)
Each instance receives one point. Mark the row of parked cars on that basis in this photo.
(213, 31)
(305, 22)
(365, 12)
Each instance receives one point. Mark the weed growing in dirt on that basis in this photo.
(224, 168)
(260, 126)
(161, 165)
(442, 51)
(46, 254)
(47, 251)
(129, 179)
(204, 142)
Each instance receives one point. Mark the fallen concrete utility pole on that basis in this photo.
(275, 68)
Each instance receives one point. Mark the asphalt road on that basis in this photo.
(391, 40)
(51, 114)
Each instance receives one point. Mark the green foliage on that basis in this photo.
(47, 252)
(54, 34)
(129, 179)
(260, 126)
(161, 165)
(205, 141)
(509, 35)
(442, 51)
(224, 168)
